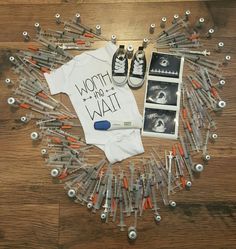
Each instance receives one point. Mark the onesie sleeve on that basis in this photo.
(58, 79)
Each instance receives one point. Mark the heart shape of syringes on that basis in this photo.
(97, 185)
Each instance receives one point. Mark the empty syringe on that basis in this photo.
(121, 224)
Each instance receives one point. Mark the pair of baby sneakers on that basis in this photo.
(137, 70)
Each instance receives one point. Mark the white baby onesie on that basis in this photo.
(86, 79)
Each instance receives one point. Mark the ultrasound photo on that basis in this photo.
(165, 65)
(162, 93)
(159, 121)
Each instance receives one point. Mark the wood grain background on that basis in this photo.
(36, 213)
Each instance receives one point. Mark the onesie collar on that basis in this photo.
(104, 53)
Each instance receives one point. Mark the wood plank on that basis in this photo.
(35, 211)
(224, 23)
(147, 14)
(29, 226)
(138, 1)
(216, 182)
(186, 227)
(34, 2)
(122, 16)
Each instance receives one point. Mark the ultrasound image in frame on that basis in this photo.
(159, 121)
(165, 65)
(162, 93)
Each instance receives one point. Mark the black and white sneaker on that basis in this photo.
(137, 69)
(120, 66)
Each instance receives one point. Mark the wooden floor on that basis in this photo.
(36, 213)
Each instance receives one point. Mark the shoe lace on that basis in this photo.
(138, 67)
(120, 65)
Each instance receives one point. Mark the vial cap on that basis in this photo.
(214, 136)
(11, 101)
(211, 31)
(189, 184)
(43, 151)
(34, 135)
(187, 12)
(222, 82)
(71, 193)
(54, 172)
(201, 20)
(158, 218)
(221, 104)
(199, 167)
(163, 19)
(103, 216)
(221, 44)
(172, 203)
(11, 58)
(89, 205)
(132, 235)
(130, 48)
(7, 81)
(23, 119)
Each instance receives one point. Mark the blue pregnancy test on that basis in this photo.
(105, 125)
